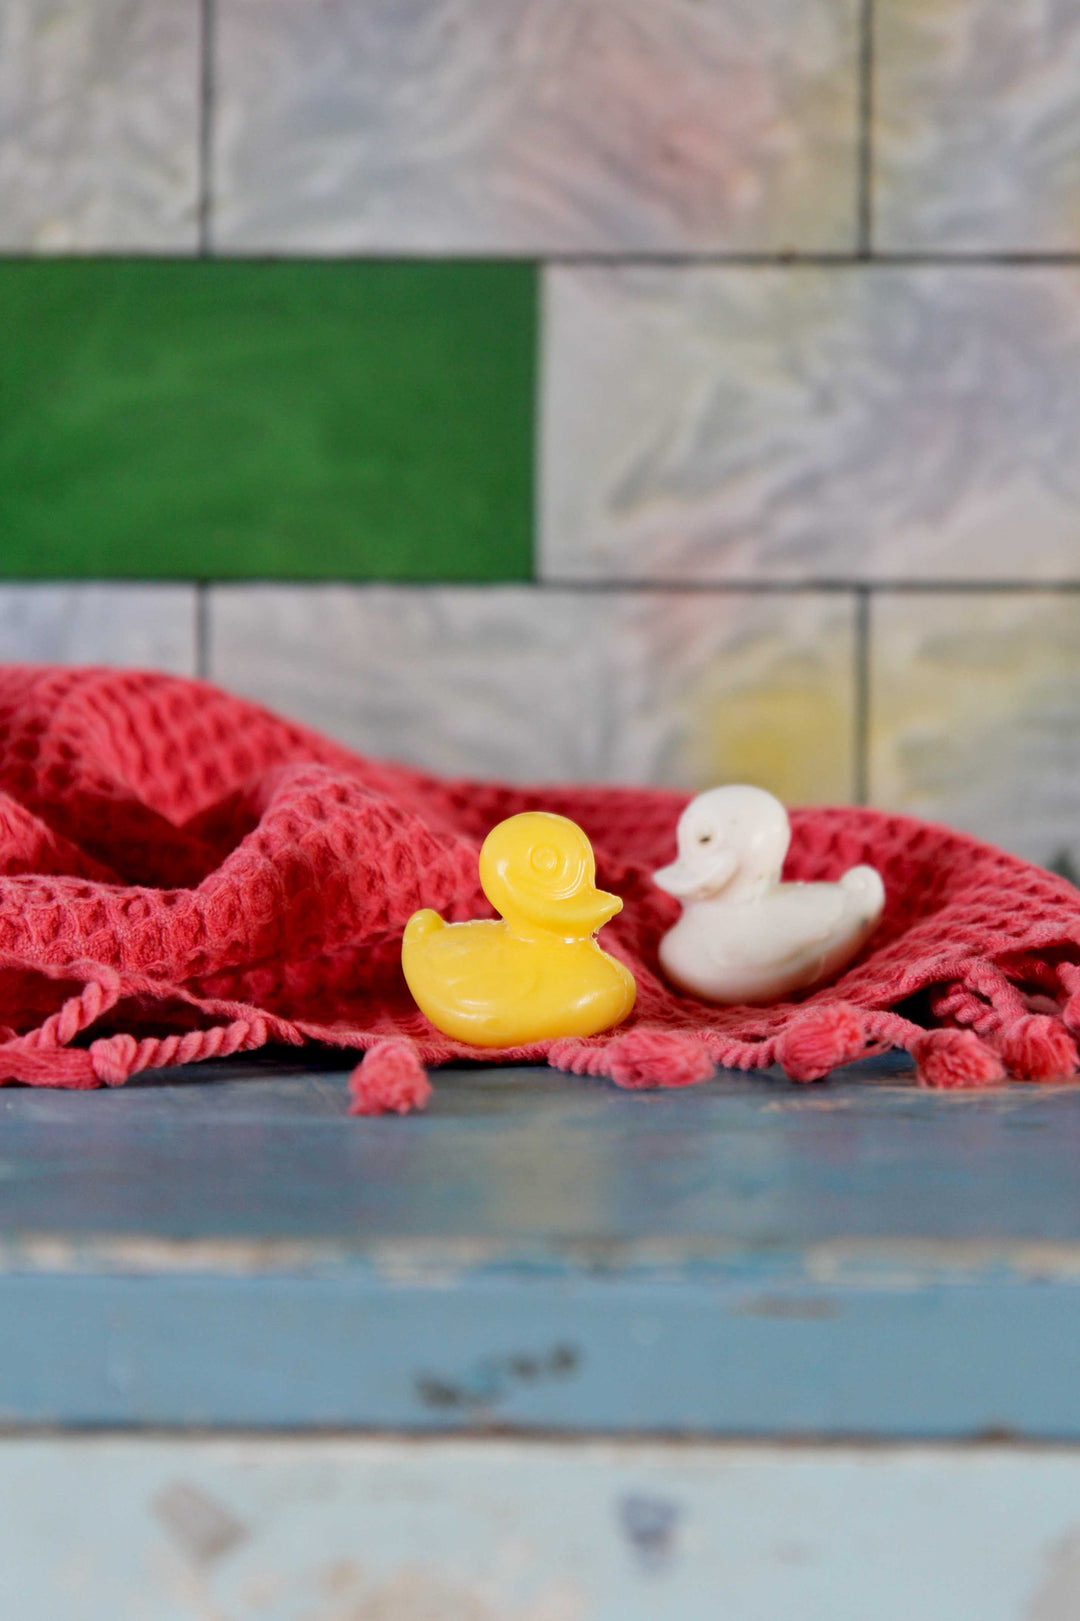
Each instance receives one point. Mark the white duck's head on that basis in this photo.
(731, 839)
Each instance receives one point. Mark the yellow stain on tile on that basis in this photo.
(975, 714)
(748, 687)
(916, 42)
(793, 740)
(948, 692)
(970, 99)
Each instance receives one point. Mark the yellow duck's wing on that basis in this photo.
(483, 986)
(476, 965)
(485, 973)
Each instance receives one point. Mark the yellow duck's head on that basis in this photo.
(538, 869)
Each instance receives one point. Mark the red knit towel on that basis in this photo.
(184, 875)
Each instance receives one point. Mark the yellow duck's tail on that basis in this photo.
(420, 925)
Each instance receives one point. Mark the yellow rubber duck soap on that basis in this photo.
(537, 972)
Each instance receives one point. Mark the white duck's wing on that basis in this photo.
(792, 922)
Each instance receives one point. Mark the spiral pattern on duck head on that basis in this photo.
(532, 862)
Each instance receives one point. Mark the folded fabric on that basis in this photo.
(184, 875)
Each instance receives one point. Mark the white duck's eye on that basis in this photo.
(704, 838)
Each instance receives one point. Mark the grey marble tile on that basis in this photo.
(805, 423)
(976, 135)
(531, 126)
(975, 715)
(139, 626)
(99, 115)
(530, 684)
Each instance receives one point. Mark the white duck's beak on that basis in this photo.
(697, 880)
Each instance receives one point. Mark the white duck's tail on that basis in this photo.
(866, 889)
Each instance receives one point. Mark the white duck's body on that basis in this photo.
(744, 936)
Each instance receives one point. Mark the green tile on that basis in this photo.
(233, 419)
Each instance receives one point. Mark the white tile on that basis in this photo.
(530, 684)
(527, 126)
(975, 716)
(138, 626)
(99, 116)
(977, 125)
(806, 423)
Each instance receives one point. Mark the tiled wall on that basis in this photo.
(663, 390)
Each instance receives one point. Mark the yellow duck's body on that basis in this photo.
(537, 973)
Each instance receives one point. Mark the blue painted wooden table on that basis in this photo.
(549, 1352)
(228, 1247)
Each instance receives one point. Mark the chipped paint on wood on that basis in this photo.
(198, 1525)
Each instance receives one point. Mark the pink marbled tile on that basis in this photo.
(687, 688)
(532, 126)
(805, 423)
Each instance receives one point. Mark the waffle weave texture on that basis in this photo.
(184, 875)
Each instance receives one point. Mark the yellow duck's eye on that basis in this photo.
(559, 872)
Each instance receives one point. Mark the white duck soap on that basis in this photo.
(744, 936)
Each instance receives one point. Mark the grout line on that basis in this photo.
(858, 260)
(202, 630)
(862, 695)
(643, 587)
(615, 260)
(791, 587)
(206, 97)
(865, 156)
(540, 327)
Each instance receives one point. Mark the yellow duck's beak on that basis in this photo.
(587, 912)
